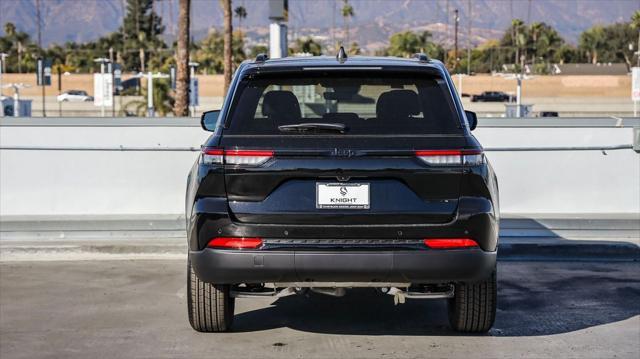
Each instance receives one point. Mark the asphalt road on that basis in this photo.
(136, 308)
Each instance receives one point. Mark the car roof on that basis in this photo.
(352, 61)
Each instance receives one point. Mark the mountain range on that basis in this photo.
(373, 23)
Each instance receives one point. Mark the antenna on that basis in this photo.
(422, 57)
(261, 58)
(342, 55)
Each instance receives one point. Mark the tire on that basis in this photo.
(473, 307)
(209, 305)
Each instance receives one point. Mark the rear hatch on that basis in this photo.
(338, 148)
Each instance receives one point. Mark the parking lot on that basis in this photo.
(136, 308)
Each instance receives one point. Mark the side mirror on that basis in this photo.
(472, 118)
(209, 120)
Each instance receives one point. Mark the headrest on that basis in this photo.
(282, 105)
(397, 104)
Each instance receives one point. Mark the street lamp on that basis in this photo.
(3, 56)
(16, 96)
(192, 78)
(150, 76)
(102, 61)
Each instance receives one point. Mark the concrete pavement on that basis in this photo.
(137, 309)
(115, 287)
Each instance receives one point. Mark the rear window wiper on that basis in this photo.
(314, 126)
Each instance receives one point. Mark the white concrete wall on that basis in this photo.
(98, 183)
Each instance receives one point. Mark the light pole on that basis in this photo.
(16, 97)
(456, 20)
(150, 76)
(3, 56)
(469, 38)
(192, 78)
(102, 62)
(150, 109)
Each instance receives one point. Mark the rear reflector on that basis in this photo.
(235, 242)
(212, 155)
(451, 157)
(449, 243)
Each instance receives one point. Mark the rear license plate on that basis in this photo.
(342, 195)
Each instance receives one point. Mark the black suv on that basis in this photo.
(491, 96)
(329, 173)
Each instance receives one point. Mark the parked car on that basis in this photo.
(75, 96)
(395, 194)
(491, 96)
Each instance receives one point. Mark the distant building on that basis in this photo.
(590, 69)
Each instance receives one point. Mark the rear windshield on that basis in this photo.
(357, 104)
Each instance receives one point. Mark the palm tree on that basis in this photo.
(517, 26)
(307, 45)
(182, 59)
(347, 13)
(535, 31)
(635, 23)
(592, 41)
(20, 41)
(228, 38)
(241, 14)
(162, 101)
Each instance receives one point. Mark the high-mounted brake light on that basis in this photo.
(449, 243)
(451, 157)
(235, 242)
(212, 155)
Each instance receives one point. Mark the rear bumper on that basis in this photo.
(222, 266)
(476, 219)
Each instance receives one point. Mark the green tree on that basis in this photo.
(543, 42)
(354, 49)
(592, 41)
(620, 38)
(611, 43)
(347, 14)
(407, 43)
(241, 13)
(210, 51)
(162, 100)
(307, 45)
(21, 50)
(140, 35)
(635, 24)
(257, 50)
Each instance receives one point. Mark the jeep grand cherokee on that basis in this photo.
(329, 173)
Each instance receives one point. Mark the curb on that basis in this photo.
(582, 251)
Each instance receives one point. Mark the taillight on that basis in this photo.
(235, 242)
(449, 243)
(247, 157)
(451, 157)
(212, 155)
